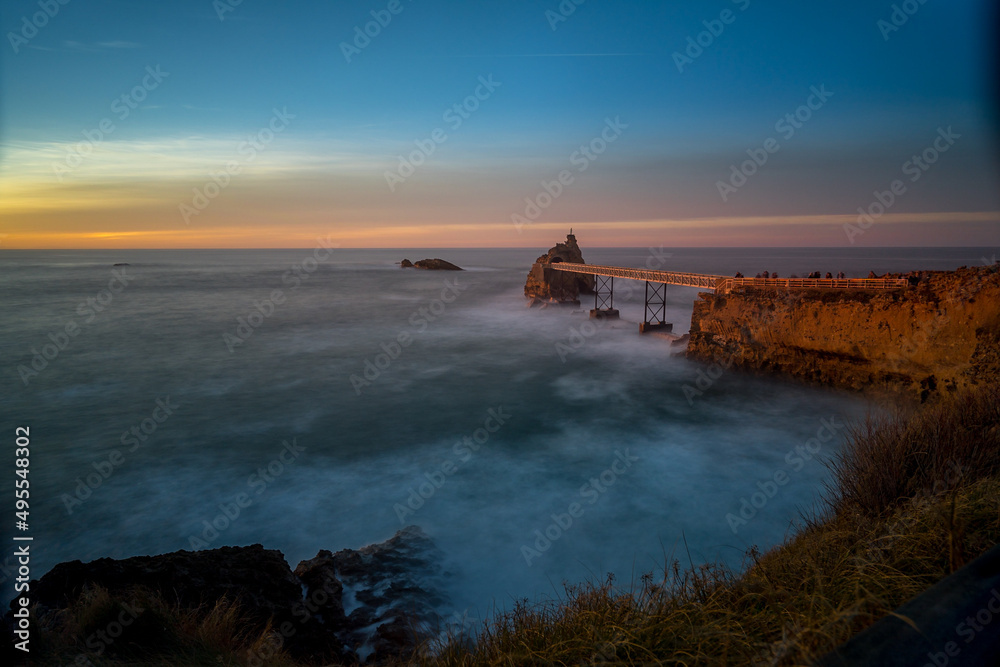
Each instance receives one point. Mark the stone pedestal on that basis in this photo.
(655, 327)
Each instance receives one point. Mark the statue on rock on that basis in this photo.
(545, 285)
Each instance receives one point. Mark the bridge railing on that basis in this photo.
(670, 277)
(723, 285)
(726, 285)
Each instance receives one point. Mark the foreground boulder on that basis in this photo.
(258, 578)
(549, 286)
(367, 605)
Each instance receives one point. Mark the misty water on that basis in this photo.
(575, 402)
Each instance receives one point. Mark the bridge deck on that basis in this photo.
(723, 285)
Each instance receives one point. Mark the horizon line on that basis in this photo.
(526, 247)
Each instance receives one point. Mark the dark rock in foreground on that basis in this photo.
(368, 605)
(259, 578)
(430, 265)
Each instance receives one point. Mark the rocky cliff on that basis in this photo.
(545, 285)
(940, 334)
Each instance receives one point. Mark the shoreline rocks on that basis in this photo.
(369, 605)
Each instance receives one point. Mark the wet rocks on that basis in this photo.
(392, 592)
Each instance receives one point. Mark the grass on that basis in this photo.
(100, 629)
(900, 517)
(913, 498)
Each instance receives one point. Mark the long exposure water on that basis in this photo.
(346, 398)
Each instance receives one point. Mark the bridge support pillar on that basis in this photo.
(656, 309)
(604, 299)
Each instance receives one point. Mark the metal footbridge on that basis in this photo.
(657, 281)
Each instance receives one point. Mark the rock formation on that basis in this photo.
(394, 591)
(941, 334)
(396, 586)
(545, 285)
(430, 265)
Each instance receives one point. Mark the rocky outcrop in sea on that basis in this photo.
(548, 286)
(430, 265)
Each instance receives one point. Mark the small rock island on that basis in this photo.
(430, 265)
(545, 286)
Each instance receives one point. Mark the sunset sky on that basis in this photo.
(114, 117)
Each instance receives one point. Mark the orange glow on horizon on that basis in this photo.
(901, 229)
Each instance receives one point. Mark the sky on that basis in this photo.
(421, 123)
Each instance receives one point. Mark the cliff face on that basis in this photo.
(941, 334)
(548, 285)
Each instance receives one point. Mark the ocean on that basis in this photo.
(313, 399)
